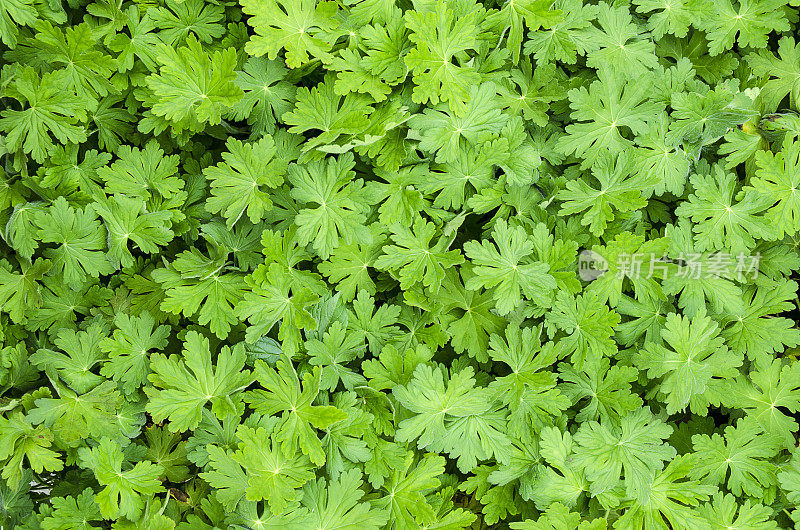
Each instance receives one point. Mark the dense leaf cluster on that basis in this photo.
(316, 264)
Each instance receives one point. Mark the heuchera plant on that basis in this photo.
(399, 264)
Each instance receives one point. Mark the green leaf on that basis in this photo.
(769, 388)
(73, 512)
(141, 44)
(129, 349)
(334, 353)
(51, 113)
(81, 354)
(610, 106)
(274, 297)
(588, 324)
(453, 417)
(673, 499)
(185, 385)
(71, 416)
(607, 388)
(535, 14)
(177, 20)
(86, 69)
(240, 183)
(21, 440)
(19, 292)
(695, 287)
(301, 27)
(725, 511)
(509, 269)
(20, 230)
(354, 76)
(406, 488)
(12, 15)
(344, 443)
(335, 204)
(337, 117)
(529, 390)
(532, 91)
(619, 189)
(567, 39)
(559, 516)
(619, 44)
(393, 367)
(789, 478)
(446, 132)
(143, 173)
(704, 117)
(439, 37)
(348, 267)
(128, 219)
(748, 23)
(694, 369)
(778, 186)
(719, 221)
(167, 450)
(661, 160)
(740, 461)
(198, 284)
(633, 448)
(671, 18)
(79, 239)
(282, 392)
(781, 72)
(414, 259)
(757, 329)
(123, 489)
(630, 260)
(472, 317)
(267, 95)
(194, 87)
(227, 476)
(339, 501)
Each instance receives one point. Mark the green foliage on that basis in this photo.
(379, 265)
(123, 489)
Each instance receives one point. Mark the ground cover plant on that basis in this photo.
(377, 264)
